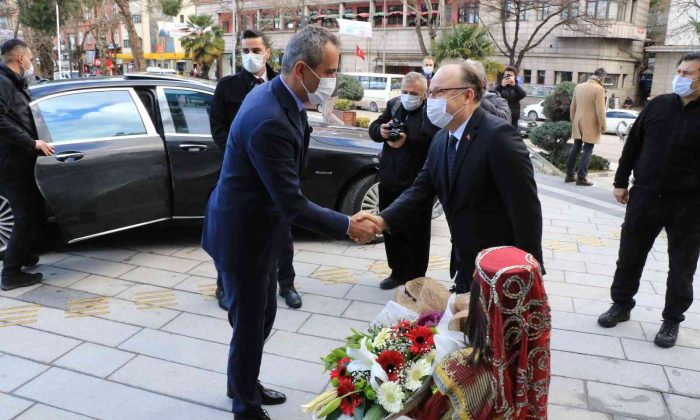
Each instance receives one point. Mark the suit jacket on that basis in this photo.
(228, 97)
(588, 111)
(491, 199)
(257, 197)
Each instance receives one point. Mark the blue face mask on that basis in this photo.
(682, 86)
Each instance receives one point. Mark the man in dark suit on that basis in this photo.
(480, 170)
(258, 198)
(228, 97)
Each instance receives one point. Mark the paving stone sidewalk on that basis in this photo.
(126, 327)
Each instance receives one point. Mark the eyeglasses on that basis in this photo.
(440, 92)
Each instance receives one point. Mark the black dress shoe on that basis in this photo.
(20, 279)
(31, 261)
(569, 179)
(267, 396)
(584, 182)
(220, 299)
(667, 335)
(258, 414)
(612, 316)
(389, 283)
(291, 298)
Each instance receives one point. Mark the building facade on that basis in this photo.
(564, 55)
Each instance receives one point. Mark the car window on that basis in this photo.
(396, 84)
(91, 115)
(377, 83)
(189, 110)
(613, 114)
(627, 115)
(364, 81)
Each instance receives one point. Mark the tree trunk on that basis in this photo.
(421, 42)
(136, 47)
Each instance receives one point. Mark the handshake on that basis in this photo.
(364, 227)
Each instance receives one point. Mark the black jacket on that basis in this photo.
(228, 97)
(399, 167)
(512, 94)
(17, 130)
(663, 147)
(491, 199)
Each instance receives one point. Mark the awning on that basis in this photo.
(154, 56)
(364, 15)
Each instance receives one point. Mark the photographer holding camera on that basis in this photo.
(406, 133)
(512, 92)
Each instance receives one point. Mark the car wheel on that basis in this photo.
(7, 221)
(373, 107)
(621, 127)
(532, 115)
(437, 209)
(363, 195)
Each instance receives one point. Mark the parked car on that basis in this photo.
(137, 149)
(619, 119)
(379, 88)
(534, 111)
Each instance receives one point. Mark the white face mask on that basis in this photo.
(325, 89)
(683, 86)
(253, 63)
(410, 102)
(437, 111)
(428, 70)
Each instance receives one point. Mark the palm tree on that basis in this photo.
(205, 43)
(462, 42)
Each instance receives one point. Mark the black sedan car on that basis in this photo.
(136, 150)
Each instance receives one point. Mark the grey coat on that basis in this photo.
(497, 106)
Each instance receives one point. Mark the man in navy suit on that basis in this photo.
(258, 198)
(480, 170)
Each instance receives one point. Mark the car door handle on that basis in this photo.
(69, 156)
(193, 147)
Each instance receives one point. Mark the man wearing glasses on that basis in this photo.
(479, 168)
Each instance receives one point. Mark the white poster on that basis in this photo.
(355, 28)
(173, 29)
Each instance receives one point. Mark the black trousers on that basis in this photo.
(283, 275)
(27, 203)
(408, 251)
(514, 118)
(464, 273)
(647, 213)
(251, 315)
(585, 158)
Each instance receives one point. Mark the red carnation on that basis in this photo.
(421, 339)
(349, 403)
(342, 369)
(403, 327)
(392, 362)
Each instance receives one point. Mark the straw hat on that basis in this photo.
(461, 311)
(423, 295)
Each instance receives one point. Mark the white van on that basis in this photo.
(379, 88)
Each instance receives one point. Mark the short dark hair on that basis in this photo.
(600, 72)
(254, 33)
(692, 56)
(510, 68)
(307, 45)
(9, 46)
(472, 79)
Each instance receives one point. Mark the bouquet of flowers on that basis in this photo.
(377, 372)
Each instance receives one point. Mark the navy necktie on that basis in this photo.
(304, 123)
(451, 155)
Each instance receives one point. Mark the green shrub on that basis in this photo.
(362, 122)
(557, 104)
(350, 88)
(344, 105)
(551, 136)
(597, 163)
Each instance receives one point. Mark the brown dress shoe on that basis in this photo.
(584, 182)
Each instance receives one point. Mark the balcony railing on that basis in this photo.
(612, 30)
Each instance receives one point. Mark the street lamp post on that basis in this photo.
(234, 35)
(58, 42)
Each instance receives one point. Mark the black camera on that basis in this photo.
(396, 127)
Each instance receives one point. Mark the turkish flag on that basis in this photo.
(359, 52)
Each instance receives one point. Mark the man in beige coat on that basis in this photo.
(587, 124)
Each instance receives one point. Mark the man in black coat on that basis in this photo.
(403, 156)
(18, 152)
(512, 92)
(663, 150)
(480, 170)
(228, 97)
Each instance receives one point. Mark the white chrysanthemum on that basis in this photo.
(417, 371)
(431, 356)
(390, 396)
(380, 340)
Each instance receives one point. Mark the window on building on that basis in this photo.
(612, 81)
(136, 18)
(395, 15)
(80, 37)
(88, 13)
(127, 43)
(570, 9)
(115, 9)
(362, 14)
(182, 18)
(425, 15)
(330, 18)
(582, 77)
(226, 26)
(511, 7)
(542, 8)
(606, 9)
(468, 12)
(563, 76)
(89, 38)
(541, 74)
(527, 76)
(348, 13)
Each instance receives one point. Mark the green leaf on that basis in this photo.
(375, 412)
(334, 415)
(330, 408)
(360, 411)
